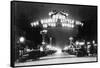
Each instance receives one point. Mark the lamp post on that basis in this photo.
(21, 43)
(43, 32)
(71, 39)
(50, 40)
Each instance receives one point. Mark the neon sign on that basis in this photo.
(52, 21)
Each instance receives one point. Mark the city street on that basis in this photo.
(44, 34)
(56, 59)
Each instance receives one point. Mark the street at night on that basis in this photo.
(57, 59)
(45, 33)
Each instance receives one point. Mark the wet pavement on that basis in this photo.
(57, 58)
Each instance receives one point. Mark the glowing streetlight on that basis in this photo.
(21, 39)
(70, 38)
(41, 48)
(43, 42)
(88, 42)
(93, 42)
(77, 42)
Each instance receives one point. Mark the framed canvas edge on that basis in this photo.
(12, 54)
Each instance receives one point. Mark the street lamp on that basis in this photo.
(50, 40)
(70, 38)
(21, 42)
(43, 32)
(93, 41)
(22, 39)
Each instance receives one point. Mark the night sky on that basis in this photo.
(25, 13)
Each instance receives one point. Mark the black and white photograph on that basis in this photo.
(53, 33)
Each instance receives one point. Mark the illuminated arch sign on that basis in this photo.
(52, 21)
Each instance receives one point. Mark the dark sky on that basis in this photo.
(26, 12)
(38, 10)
